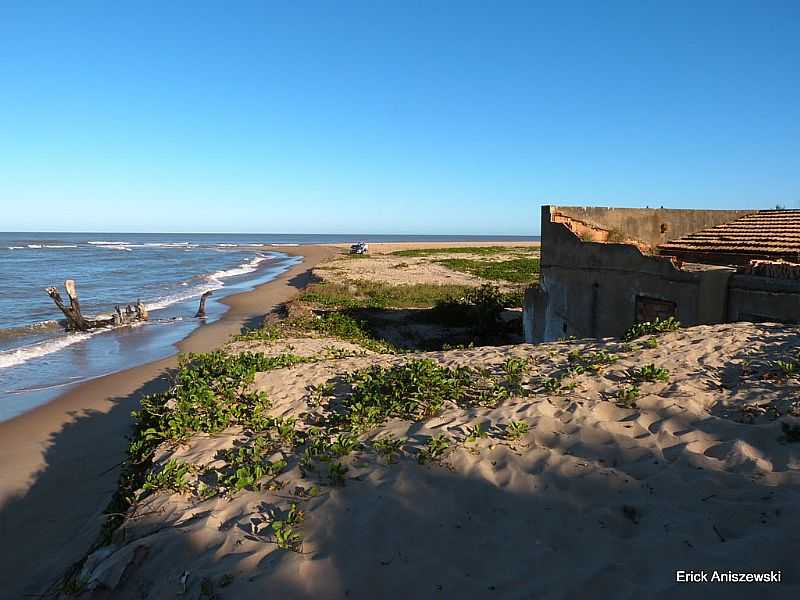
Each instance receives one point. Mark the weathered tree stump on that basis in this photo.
(77, 322)
(126, 315)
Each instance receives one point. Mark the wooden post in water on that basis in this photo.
(201, 311)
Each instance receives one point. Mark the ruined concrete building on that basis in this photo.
(604, 269)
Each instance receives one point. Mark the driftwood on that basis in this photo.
(201, 311)
(122, 316)
(77, 322)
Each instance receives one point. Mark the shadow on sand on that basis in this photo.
(58, 519)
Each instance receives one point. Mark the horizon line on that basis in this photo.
(277, 233)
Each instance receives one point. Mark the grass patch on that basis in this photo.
(481, 250)
(373, 294)
(345, 327)
(516, 270)
(335, 323)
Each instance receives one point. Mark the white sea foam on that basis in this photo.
(116, 247)
(166, 301)
(168, 245)
(212, 282)
(242, 269)
(129, 246)
(40, 246)
(11, 358)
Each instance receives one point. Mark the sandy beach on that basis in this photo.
(542, 471)
(593, 495)
(60, 462)
(400, 301)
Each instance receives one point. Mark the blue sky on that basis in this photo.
(390, 117)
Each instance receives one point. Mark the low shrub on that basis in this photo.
(651, 328)
(650, 372)
(479, 308)
(413, 390)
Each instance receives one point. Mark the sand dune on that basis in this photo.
(596, 498)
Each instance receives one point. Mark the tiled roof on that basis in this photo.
(766, 234)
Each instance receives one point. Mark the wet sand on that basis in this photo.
(59, 463)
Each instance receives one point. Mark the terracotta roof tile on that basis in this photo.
(768, 233)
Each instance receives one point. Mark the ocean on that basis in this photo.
(167, 272)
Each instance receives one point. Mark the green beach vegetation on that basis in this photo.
(346, 310)
(213, 392)
(651, 328)
(517, 270)
(504, 264)
(373, 294)
(336, 324)
(481, 250)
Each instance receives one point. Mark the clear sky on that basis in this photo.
(390, 117)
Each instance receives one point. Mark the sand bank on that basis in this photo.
(599, 493)
(60, 461)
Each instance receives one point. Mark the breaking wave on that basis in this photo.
(10, 358)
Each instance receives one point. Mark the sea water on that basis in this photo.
(167, 272)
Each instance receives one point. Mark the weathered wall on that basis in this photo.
(652, 226)
(753, 298)
(589, 289)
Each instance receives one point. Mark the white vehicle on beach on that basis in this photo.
(359, 248)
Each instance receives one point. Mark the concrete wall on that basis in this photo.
(651, 226)
(753, 298)
(590, 289)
